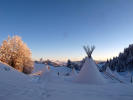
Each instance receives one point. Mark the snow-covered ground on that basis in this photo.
(17, 86)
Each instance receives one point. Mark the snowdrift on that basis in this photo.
(46, 74)
(116, 74)
(9, 74)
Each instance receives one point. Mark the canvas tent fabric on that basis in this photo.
(89, 73)
(109, 71)
(73, 73)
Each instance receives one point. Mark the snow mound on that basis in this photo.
(38, 67)
(89, 73)
(116, 74)
(13, 84)
(9, 74)
(46, 74)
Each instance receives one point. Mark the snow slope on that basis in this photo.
(17, 86)
(13, 84)
(38, 67)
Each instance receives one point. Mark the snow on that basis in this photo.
(46, 74)
(89, 73)
(17, 86)
(115, 73)
(13, 84)
(38, 67)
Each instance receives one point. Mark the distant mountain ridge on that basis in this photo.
(55, 63)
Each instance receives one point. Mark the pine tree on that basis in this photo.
(123, 62)
(69, 64)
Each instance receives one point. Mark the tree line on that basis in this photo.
(124, 62)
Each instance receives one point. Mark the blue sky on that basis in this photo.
(57, 29)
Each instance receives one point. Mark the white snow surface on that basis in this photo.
(17, 86)
(115, 73)
(38, 67)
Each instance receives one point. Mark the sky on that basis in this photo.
(58, 29)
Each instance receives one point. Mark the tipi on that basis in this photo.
(109, 71)
(73, 73)
(89, 73)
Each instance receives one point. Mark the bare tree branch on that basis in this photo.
(89, 50)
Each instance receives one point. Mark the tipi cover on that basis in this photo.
(73, 73)
(89, 73)
(109, 71)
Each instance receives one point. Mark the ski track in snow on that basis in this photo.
(58, 87)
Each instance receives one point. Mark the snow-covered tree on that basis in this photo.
(15, 52)
(123, 62)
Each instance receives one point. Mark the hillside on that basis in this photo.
(17, 86)
(124, 62)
